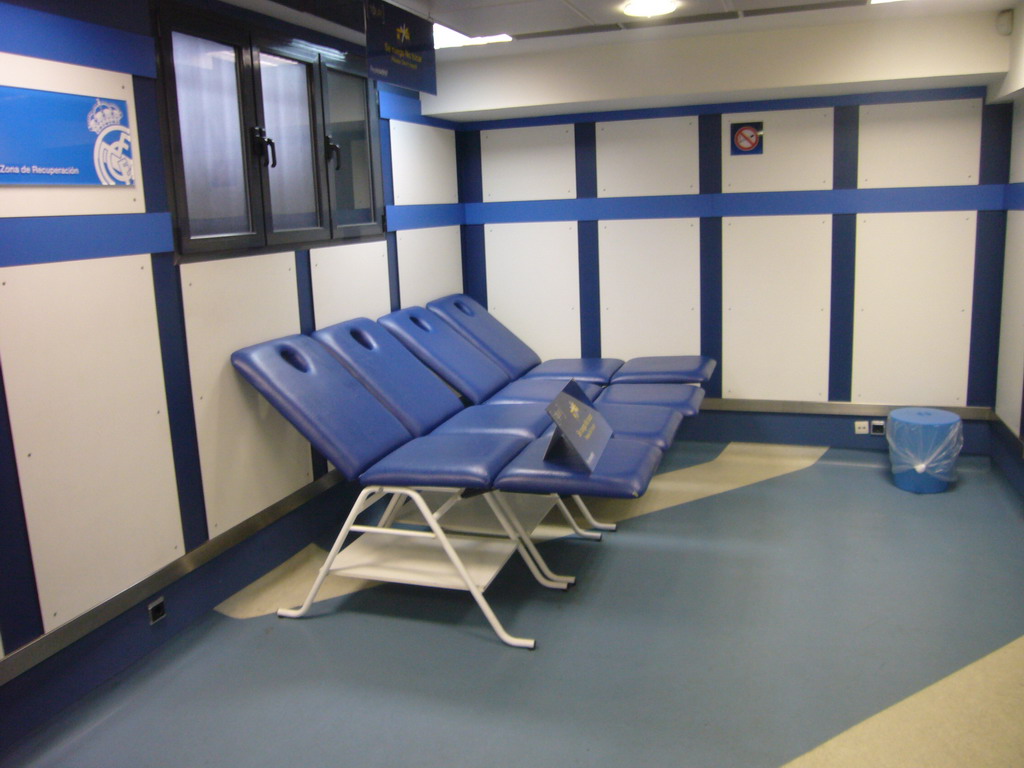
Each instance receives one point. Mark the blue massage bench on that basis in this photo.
(400, 446)
(480, 379)
(519, 361)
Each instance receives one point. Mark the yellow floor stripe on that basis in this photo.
(287, 586)
(740, 464)
(974, 717)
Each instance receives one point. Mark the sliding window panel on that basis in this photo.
(291, 152)
(215, 170)
(776, 300)
(353, 169)
(85, 389)
(912, 307)
(533, 284)
(650, 287)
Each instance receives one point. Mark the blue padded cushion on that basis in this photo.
(623, 471)
(313, 391)
(681, 369)
(446, 352)
(526, 419)
(685, 398)
(598, 370)
(649, 423)
(407, 388)
(537, 391)
(438, 461)
(487, 333)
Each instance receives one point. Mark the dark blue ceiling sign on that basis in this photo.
(64, 139)
(400, 47)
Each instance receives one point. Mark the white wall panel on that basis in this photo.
(429, 264)
(650, 287)
(423, 164)
(798, 149)
(533, 284)
(535, 163)
(350, 281)
(1010, 380)
(912, 308)
(250, 456)
(776, 295)
(930, 143)
(49, 200)
(648, 157)
(85, 388)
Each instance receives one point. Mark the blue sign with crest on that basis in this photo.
(64, 139)
(400, 47)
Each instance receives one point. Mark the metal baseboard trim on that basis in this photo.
(51, 643)
(968, 413)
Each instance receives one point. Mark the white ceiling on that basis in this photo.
(561, 23)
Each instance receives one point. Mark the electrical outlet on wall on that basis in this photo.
(860, 428)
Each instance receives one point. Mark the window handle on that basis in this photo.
(273, 153)
(261, 143)
(335, 151)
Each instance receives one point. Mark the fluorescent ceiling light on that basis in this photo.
(649, 8)
(449, 38)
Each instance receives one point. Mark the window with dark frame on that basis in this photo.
(274, 141)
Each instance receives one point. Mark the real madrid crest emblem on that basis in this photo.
(112, 152)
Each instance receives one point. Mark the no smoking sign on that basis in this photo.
(747, 138)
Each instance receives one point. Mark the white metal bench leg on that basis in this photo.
(367, 497)
(527, 549)
(594, 535)
(474, 590)
(590, 518)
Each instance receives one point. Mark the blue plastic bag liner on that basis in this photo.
(924, 441)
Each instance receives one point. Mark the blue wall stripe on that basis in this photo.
(307, 324)
(170, 315)
(1014, 197)
(469, 166)
(844, 259)
(401, 104)
(474, 263)
(711, 298)
(996, 134)
(56, 38)
(846, 121)
(986, 308)
(709, 133)
(827, 202)
(586, 160)
(590, 289)
(20, 617)
(69, 238)
(769, 105)
(424, 216)
(394, 287)
(150, 147)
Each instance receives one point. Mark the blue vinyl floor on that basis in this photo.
(742, 629)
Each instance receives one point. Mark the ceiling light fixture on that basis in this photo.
(648, 9)
(449, 38)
